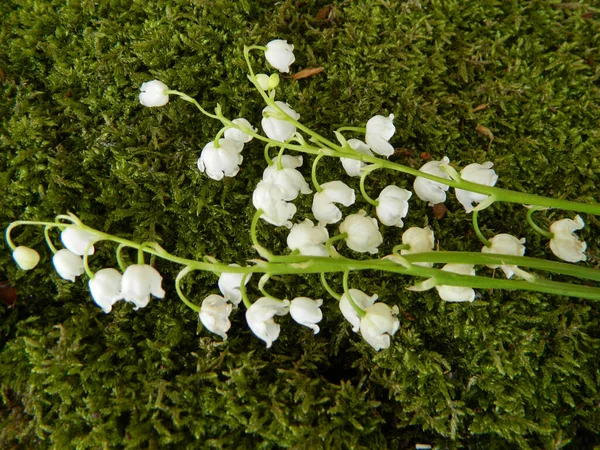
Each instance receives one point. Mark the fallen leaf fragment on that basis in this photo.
(481, 107)
(305, 73)
(439, 211)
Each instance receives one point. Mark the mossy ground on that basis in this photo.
(511, 370)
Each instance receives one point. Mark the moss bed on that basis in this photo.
(511, 370)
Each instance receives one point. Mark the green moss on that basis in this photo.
(512, 370)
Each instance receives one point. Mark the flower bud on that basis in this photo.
(263, 81)
(25, 257)
(152, 93)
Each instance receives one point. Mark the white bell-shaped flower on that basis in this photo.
(362, 300)
(238, 135)
(280, 55)
(26, 257)
(457, 293)
(353, 167)
(289, 180)
(476, 173)
(152, 93)
(260, 318)
(105, 288)
(332, 192)
(308, 239)
(214, 315)
(77, 240)
(268, 197)
(379, 324)
(230, 285)
(505, 244)
(276, 127)
(380, 130)
(139, 282)
(363, 232)
(564, 243)
(67, 264)
(307, 312)
(222, 161)
(393, 206)
(428, 190)
(420, 240)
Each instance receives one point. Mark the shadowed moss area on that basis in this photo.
(511, 370)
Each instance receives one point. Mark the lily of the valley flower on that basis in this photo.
(280, 55)
(25, 257)
(152, 93)
(379, 324)
(308, 239)
(214, 315)
(77, 240)
(362, 300)
(353, 167)
(260, 318)
(222, 161)
(105, 288)
(277, 128)
(428, 190)
(289, 180)
(393, 206)
(380, 129)
(238, 135)
(476, 173)
(268, 197)
(323, 207)
(457, 293)
(363, 232)
(67, 264)
(419, 240)
(564, 243)
(139, 282)
(307, 312)
(230, 284)
(505, 244)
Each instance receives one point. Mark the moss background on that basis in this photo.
(511, 370)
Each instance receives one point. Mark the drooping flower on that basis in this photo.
(505, 244)
(457, 293)
(139, 282)
(26, 257)
(362, 300)
(222, 161)
(275, 126)
(280, 55)
(77, 240)
(393, 206)
(238, 135)
(152, 93)
(363, 232)
(105, 288)
(476, 173)
(564, 243)
(428, 190)
(307, 312)
(67, 264)
(268, 197)
(260, 318)
(214, 315)
(419, 240)
(230, 284)
(308, 239)
(353, 167)
(380, 129)
(332, 192)
(289, 180)
(379, 324)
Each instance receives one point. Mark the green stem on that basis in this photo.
(86, 267)
(535, 226)
(328, 288)
(316, 184)
(119, 257)
(478, 232)
(361, 313)
(363, 177)
(245, 299)
(49, 240)
(183, 298)
(267, 157)
(191, 100)
(397, 248)
(357, 129)
(262, 251)
(279, 155)
(218, 136)
(328, 245)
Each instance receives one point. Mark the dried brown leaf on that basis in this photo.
(310, 72)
